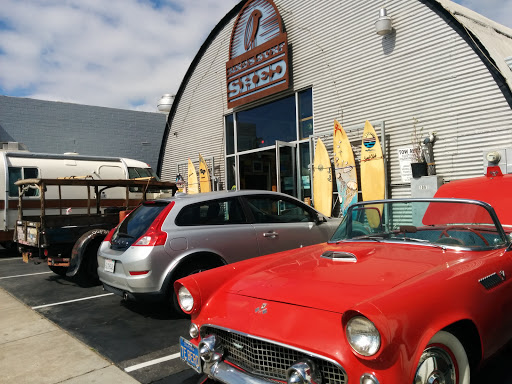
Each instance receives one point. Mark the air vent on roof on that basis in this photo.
(346, 257)
(13, 146)
(508, 60)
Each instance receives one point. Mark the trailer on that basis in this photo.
(68, 228)
(17, 164)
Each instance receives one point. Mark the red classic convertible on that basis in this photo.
(407, 291)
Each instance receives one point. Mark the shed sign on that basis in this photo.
(258, 58)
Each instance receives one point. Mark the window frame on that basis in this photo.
(312, 214)
(11, 183)
(232, 200)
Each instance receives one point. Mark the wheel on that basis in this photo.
(61, 271)
(444, 361)
(445, 233)
(449, 241)
(191, 267)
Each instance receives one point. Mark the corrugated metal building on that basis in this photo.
(443, 65)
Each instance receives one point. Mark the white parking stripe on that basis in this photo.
(72, 301)
(10, 258)
(152, 362)
(28, 274)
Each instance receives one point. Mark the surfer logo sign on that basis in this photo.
(258, 64)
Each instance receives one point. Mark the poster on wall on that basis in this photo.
(405, 156)
(258, 54)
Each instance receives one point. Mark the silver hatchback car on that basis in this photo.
(164, 240)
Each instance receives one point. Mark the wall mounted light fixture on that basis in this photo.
(165, 103)
(384, 24)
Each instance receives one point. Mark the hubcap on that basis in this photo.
(435, 367)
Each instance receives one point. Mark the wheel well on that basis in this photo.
(209, 259)
(467, 333)
(94, 243)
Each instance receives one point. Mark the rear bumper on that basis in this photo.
(153, 297)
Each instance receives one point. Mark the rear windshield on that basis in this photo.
(136, 224)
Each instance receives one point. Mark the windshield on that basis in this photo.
(441, 222)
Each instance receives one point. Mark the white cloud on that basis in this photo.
(497, 10)
(116, 53)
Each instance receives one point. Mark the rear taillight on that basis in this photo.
(138, 273)
(109, 235)
(152, 238)
(154, 235)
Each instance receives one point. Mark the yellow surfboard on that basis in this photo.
(344, 168)
(204, 176)
(322, 180)
(192, 184)
(372, 173)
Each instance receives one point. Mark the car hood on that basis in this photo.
(306, 278)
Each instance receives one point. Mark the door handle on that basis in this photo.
(271, 234)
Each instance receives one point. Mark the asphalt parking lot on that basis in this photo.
(142, 340)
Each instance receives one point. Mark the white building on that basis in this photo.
(442, 64)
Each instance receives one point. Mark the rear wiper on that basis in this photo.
(122, 234)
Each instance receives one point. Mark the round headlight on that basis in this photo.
(186, 299)
(363, 336)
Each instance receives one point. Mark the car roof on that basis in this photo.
(198, 197)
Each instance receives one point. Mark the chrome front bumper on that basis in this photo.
(225, 373)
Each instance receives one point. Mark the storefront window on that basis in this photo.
(305, 113)
(261, 126)
(288, 121)
(230, 135)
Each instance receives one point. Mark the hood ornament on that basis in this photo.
(262, 309)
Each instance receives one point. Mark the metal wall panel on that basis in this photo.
(198, 125)
(425, 69)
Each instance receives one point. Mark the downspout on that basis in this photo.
(6, 196)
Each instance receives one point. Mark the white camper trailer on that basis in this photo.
(20, 164)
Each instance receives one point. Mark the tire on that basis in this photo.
(61, 271)
(444, 358)
(187, 269)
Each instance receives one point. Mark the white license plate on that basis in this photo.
(190, 354)
(110, 265)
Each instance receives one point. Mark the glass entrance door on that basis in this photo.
(286, 168)
(257, 170)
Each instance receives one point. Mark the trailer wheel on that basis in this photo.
(61, 271)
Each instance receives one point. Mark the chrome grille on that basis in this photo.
(266, 359)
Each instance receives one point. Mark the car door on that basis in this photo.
(217, 226)
(281, 223)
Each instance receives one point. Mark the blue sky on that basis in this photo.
(117, 53)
